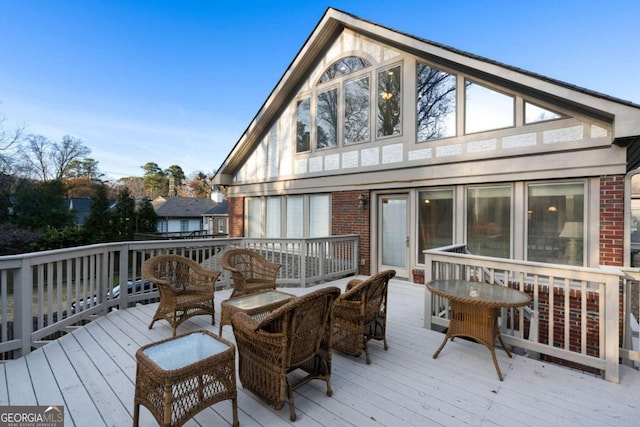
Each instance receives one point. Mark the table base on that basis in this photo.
(477, 322)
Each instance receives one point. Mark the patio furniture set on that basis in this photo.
(276, 333)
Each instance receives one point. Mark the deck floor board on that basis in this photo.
(92, 373)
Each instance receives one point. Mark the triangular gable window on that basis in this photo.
(535, 114)
(343, 67)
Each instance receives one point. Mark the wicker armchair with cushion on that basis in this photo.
(250, 271)
(186, 288)
(360, 314)
(296, 335)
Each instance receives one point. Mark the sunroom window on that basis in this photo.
(343, 67)
(486, 109)
(435, 220)
(327, 119)
(389, 102)
(489, 221)
(435, 103)
(555, 223)
(303, 125)
(535, 114)
(357, 110)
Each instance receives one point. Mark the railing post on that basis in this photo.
(124, 277)
(612, 329)
(303, 263)
(428, 297)
(23, 301)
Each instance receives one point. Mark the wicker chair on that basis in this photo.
(186, 288)
(251, 272)
(296, 335)
(360, 314)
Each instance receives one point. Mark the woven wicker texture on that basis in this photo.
(174, 396)
(296, 335)
(250, 271)
(186, 288)
(360, 314)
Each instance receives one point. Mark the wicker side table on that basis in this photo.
(178, 377)
(257, 305)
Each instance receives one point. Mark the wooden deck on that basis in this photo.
(91, 372)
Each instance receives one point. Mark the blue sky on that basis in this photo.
(178, 82)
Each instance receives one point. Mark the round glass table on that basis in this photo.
(474, 311)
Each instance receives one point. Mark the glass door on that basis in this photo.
(393, 237)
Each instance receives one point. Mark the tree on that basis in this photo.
(135, 184)
(9, 144)
(54, 160)
(42, 205)
(84, 168)
(147, 219)
(99, 224)
(200, 186)
(154, 179)
(125, 215)
(176, 178)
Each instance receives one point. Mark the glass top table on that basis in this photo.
(255, 304)
(474, 310)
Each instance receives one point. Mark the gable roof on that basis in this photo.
(181, 207)
(622, 114)
(220, 209)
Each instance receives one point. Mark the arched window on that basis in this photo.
(343, 67)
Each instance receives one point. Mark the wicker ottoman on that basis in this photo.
(178, 377)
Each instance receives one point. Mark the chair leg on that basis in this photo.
(366, 350)
(292, 408)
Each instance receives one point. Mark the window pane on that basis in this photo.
(486, 109)
(343, 67)
(327, 119)
(254, 217)
(294, 217)
(319, 216)
(555, 223)
(303, 125)
(356, 110)
(435, 103)
(534, 114)
(435, 220)
(273, 217)
(389, 102)
(489, 221)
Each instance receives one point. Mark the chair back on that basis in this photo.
(250, 271)
(306, 322)
(371, 293)
(172, 270)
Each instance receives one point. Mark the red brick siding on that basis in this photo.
(612, 220)
(236, 217)
(347, 218)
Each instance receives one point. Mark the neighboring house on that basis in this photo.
(81, 207)
(181, 215)
(216, 220)
(414, 145)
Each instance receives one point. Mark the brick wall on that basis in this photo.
(347, 218)
(236, 217)
(612, 220)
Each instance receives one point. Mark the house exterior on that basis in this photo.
(415, 145)
(181, 215)
(216, 220)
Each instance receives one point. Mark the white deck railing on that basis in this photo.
(43, 294)
(574, 315)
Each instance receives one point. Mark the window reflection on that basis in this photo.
(535, 114)
(356, 110)
(389, 102)
(344, 67)
(489, 221)
(435, 220)
(303, 125)
(486, 109)
(327, 119)
(435, 104)
(555, 223)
